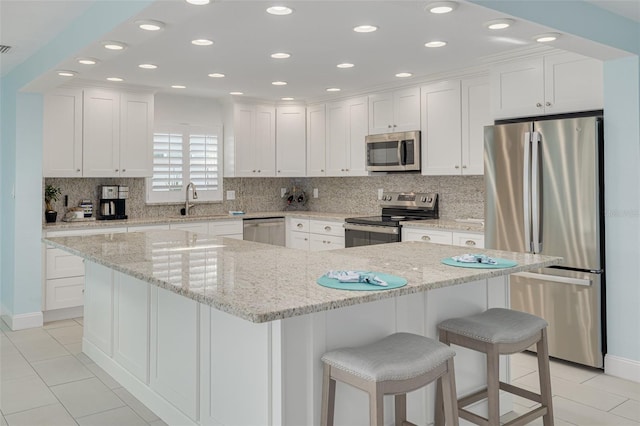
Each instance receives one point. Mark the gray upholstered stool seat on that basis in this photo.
(496, 325)
(498, 332)
(394, 365)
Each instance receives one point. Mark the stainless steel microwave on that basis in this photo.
(393, 152)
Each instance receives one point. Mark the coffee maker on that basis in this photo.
(113, 202)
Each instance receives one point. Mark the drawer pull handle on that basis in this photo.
(470, 243)
(426, 238)
(327, 228)
(539, 105)
(299, 225)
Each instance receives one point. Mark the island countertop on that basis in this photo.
(261, 283)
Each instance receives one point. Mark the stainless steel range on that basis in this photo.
(397, 207)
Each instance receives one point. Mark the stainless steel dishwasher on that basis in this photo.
(268, 230)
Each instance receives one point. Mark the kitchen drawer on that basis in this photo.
(64, 292)
(295, 224)
(61, 264)
(325, 242)
(326, 228)
(226, 227)
(428, 235)
(468, 239)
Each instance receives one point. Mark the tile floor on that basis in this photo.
(45, 380)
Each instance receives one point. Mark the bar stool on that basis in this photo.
(501, 332)
(395, 365)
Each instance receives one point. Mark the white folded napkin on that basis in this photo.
(356, 277)
(475, 258)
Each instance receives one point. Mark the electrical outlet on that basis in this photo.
(231, 195)
(315, 192)
(282, 192)
(380, 191)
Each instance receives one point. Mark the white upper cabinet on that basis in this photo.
(255, 140)
(290, 141)
(394, 111)
(97, 133)
(62, 134)
(553, 84)
(454, 114)
(316, 140)
(345, 133)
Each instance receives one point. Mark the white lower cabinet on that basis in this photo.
(325, 242)
(174, 346)
(226, 228)
(131, 325)
(98, 301)
(298, 240)
(197, 227)
(456, 238)
(314, 235)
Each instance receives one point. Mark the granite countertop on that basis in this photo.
(82, 224)
(261, 283)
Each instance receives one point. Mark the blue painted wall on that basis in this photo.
(21, 133)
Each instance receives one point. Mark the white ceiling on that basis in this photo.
(318, 35)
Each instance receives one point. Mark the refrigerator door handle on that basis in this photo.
(526, 190)
(554, 278)
(535, 192)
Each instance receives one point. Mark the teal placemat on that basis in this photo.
(393, 281)
(502, 263)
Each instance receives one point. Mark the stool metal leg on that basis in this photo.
(493, 385)
(545, 378)
(328, 397)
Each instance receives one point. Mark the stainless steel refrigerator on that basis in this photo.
(544, 194)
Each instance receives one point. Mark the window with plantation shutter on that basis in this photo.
(183, 154)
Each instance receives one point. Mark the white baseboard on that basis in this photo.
(62, 314)
(23, 321)
(622, 367)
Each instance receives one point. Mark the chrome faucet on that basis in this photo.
(187, 206)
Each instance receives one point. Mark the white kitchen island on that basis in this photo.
(216, 331)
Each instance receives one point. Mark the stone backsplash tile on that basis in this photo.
(460, 196)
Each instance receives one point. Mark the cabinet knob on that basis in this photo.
(547, 103)
(253, 171)
(539, 105)
(395, 125)
(346, 170)
(342, 170)
(322, 170)
(116, 170)
(78, 170)
(457, 167)
(306, 239)
(278, 171)
(389, 126)
(124, 170)
(464, 166)
(426, 238)
(258, 171)
(327, 228)
(470, 243)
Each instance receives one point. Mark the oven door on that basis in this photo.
(356, 235)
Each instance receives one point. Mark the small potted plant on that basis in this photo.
(51, 193)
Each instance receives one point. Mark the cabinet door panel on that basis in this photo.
(101, 133)
(475, 115)
(380, 113)
(427, 235)
(62, 264)
(136, 133)
(517, 89)
(98, 315)
(358, 128)
(244, 128)
(406, 106)
(572, 83)
(468, 239)
(337, 143)
(64, 292)
(325, 242)
(316, 140)
(290, 141)
(62, 134)
(265, 141)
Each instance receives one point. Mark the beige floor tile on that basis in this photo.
(525, 360)
(109, 381)
(66, 335)
(24, 394)
(51, 415)
(584, 415)
(629, 409)
(119, 416)
(158, 423)
(3, 326)
(3, 422)
(86, 397)
(79, 320)
(74, 348)
(83, 358)
(572, 372)
(519, 410)
(58, 324)
(137, 406)
(36, 347)
(60, 370)
(519, 370)
(14, 366)
(27, 334)
(616, 386)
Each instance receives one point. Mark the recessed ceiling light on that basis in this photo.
(114, 45)
(202, 42)
(115, 79)
(280, 55)
(333, 89)
(441, 7)
(198, 2)
(435, 43)
(279, 10)
(499, 24)
(287, 99)
(66, 73)
(87, 61)
(365, 28)
(178, 86)
(236, 93)
(216, 75)
(150, 25)
(279, 83)
(546, 38)
(148, 66)
(404, 74)
(345, 65)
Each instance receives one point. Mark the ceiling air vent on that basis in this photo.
(4, 48)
